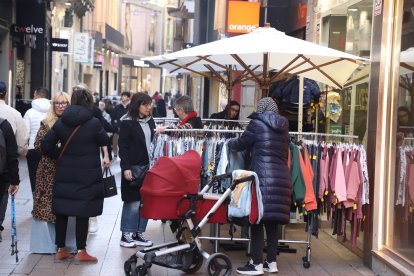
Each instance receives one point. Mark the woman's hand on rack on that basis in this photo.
(128, 175)
(160, 129)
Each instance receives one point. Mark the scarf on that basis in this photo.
(189, 116)
(267, 104)
(144, 120)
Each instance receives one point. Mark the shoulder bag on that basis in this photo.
(66, 144)
(138, 175)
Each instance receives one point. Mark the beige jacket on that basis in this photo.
(19, 127)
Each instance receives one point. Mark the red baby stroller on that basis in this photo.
(170, 192)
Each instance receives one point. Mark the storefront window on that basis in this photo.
(402, 232)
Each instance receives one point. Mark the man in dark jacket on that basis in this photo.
(9, 167)
(267, 137)
(116, 115)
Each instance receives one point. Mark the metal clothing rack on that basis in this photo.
(324, 135)
(203, 130)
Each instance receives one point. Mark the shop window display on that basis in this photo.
(402, 231)
(359, 29)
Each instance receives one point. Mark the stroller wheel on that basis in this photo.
(219, 264)
(142, 270)
(130, 266)
(196, 264)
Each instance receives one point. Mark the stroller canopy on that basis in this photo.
(174, 176)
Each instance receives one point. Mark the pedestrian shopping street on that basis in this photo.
(328, 256)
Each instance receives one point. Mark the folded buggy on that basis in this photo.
(171, 192)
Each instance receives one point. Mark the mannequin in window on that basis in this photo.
(128, 30)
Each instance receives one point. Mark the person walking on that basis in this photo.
(78, 190)
(43, 234)
(9, 164)
(135, 136)
(32, 118)
(267, 138)
(14, 118)
(116, 114)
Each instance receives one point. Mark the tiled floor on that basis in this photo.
(328, 257)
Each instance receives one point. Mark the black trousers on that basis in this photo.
(33, 158)
(61, 226)
(257, 241)
(2, 190)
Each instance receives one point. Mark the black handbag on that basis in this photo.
(138, 175)
(109, 183)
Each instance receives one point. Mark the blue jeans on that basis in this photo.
(131, 221)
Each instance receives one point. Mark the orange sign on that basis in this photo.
(242, 17)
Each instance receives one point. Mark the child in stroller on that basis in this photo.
(170, 192)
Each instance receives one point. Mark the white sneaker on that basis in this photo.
(270, 267)
(93, 225)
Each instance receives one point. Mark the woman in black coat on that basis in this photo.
(267, 138)
(78, 190)
(135, 136)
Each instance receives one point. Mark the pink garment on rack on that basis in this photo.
(332, 170)
(360, 190)
(354, 180)
(323, 172)
(410, 174)
(307, 173)
(340, 185)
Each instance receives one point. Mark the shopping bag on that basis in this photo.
(109, 183)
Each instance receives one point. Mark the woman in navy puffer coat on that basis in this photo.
(267, 138)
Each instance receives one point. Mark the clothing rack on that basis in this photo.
(203, 120)
(203, 130)
(290, 132)
(324, 134)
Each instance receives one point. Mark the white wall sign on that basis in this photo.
(81, 47)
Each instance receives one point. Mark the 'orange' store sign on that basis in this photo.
(242, 17)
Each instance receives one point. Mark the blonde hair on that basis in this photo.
(51, 116)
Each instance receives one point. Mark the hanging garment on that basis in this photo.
(298, 182)
(307, 173)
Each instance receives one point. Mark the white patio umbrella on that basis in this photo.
(406, 68)
(407, 61)
(259, 53)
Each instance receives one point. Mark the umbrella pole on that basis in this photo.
(229, 84)
(266, 79)
(300, 113)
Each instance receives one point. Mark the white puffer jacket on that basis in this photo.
(34, 116)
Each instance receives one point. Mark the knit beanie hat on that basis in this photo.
(266, 104)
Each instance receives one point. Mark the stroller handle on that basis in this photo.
(221, 176)
(241, 180)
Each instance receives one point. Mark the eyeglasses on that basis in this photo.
(62, 104)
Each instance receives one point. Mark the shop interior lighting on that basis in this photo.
(68, 3)
(353, 10)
